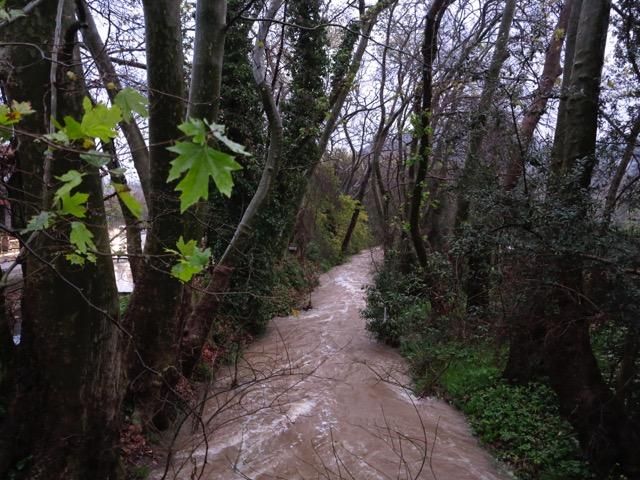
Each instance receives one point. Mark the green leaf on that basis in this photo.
(124, 193)
(195, 128)
(73, 128)
(97, 159)
(74, 205)
(4, 114)
(75, 259)
(131, 101)
(39, 222)
(201, 162)
(60, 137)
(70, 180)
(12, 115)
(66, 203)
(191, 260)
(218, 133)
(81, 238)
(100, 121)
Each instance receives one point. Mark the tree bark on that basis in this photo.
(551, 70)
(561, 127)
(429, 49)
(206, 84)
(66, 409)
(344, 247)
(152, 312)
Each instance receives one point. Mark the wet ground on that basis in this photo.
(317, 398)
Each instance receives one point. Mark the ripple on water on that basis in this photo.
(344, 409)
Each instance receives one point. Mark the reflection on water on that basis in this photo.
(316, 398)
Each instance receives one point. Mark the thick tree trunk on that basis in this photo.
(604, 428)
(206, 84)
(66, 411)
(152, 312)
(561, 123)
(206, 73)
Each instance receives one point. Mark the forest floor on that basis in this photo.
(316, 397)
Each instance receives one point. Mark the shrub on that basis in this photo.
(397, 304)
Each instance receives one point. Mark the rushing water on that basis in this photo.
(317, 398)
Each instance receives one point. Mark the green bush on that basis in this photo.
(520, 424)
(397, 305)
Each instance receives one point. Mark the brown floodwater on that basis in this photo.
(318, 398)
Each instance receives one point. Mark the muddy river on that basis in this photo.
(317, 398)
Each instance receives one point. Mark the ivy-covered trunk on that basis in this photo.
(64, 417)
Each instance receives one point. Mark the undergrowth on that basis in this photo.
(521, 425)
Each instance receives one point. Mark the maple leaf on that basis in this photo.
(99, 121)
(81, 238)
(42, 221)
(201, 163)
(191, 259)
(131, 101)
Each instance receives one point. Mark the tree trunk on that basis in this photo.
(621, 170)
(472, 166)
(152, 312)
(133, 229)
(429, 49)
(206, 83)
(550, 73)
(199, 322)
(569, 54)
(111, 81)
(65, 415)
(344, 247)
